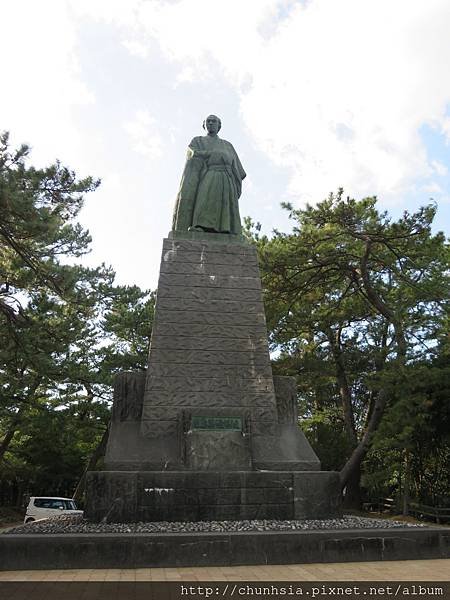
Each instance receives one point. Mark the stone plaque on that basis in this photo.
(200, 423)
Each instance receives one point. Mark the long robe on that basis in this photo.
(210, 187)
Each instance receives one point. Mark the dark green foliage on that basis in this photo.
(37, 208)
(411, 450)
(354, 302)
(128, 323)
(65, 329)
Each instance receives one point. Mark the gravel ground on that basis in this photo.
(74, 524)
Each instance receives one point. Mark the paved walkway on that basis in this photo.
(406, 570)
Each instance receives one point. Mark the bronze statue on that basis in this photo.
(210, 186)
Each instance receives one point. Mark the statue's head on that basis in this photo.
(212, 124)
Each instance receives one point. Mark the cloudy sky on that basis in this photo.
(313, 94)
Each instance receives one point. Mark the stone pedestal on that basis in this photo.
(208, 405)
(212, 495)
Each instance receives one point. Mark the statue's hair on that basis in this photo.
(218, 118)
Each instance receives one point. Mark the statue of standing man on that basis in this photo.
(210, 186)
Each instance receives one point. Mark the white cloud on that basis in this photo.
(41, 77)
(334, 93)
(337, 91)
(204, 35)
(116, 12)
(136, 48)
(439, 168)
(144, 137)
(445, 126)
(353, 67)
(433, 188)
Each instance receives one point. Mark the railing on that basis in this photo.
(390, 505)
(381, 505)
(441, 515)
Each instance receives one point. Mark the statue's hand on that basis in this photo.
(204, 154)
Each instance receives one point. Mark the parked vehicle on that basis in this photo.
(41, 507)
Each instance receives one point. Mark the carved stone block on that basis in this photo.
(128, 396)
(216, 399)
(160, 412)
(214, 280)
(155, 428)
(286, 395)
(236, 385)
(208, 293)
(208, 305)
(210, 318)
(176, 342)
(231, 332)
(217, 451)
(202, 257)
(206, 371)
(266, 413)
(112, 498)
(317, 495)
(181, 268)
(210, 357)
(209, 246)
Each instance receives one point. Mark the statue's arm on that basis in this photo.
(195, 150)
(203, 154)
(238, 170)
(238, 165)
(184, 206)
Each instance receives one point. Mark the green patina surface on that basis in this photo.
(219, 238)
(201, 423)
(211, 185)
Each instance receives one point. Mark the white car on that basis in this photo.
(41, 507)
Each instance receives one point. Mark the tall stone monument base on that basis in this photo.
(130, 496)
(207, 432)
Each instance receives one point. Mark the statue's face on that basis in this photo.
(212, 124)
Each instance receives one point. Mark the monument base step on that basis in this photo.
(132, 496)
(133, 551)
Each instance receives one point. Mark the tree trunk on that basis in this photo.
(353, 464)
(352, 490)
(334, 337)
(355, 460)
(406, 483)
(381, 306)
(95, 457)
(17, 418)
(7, 440)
